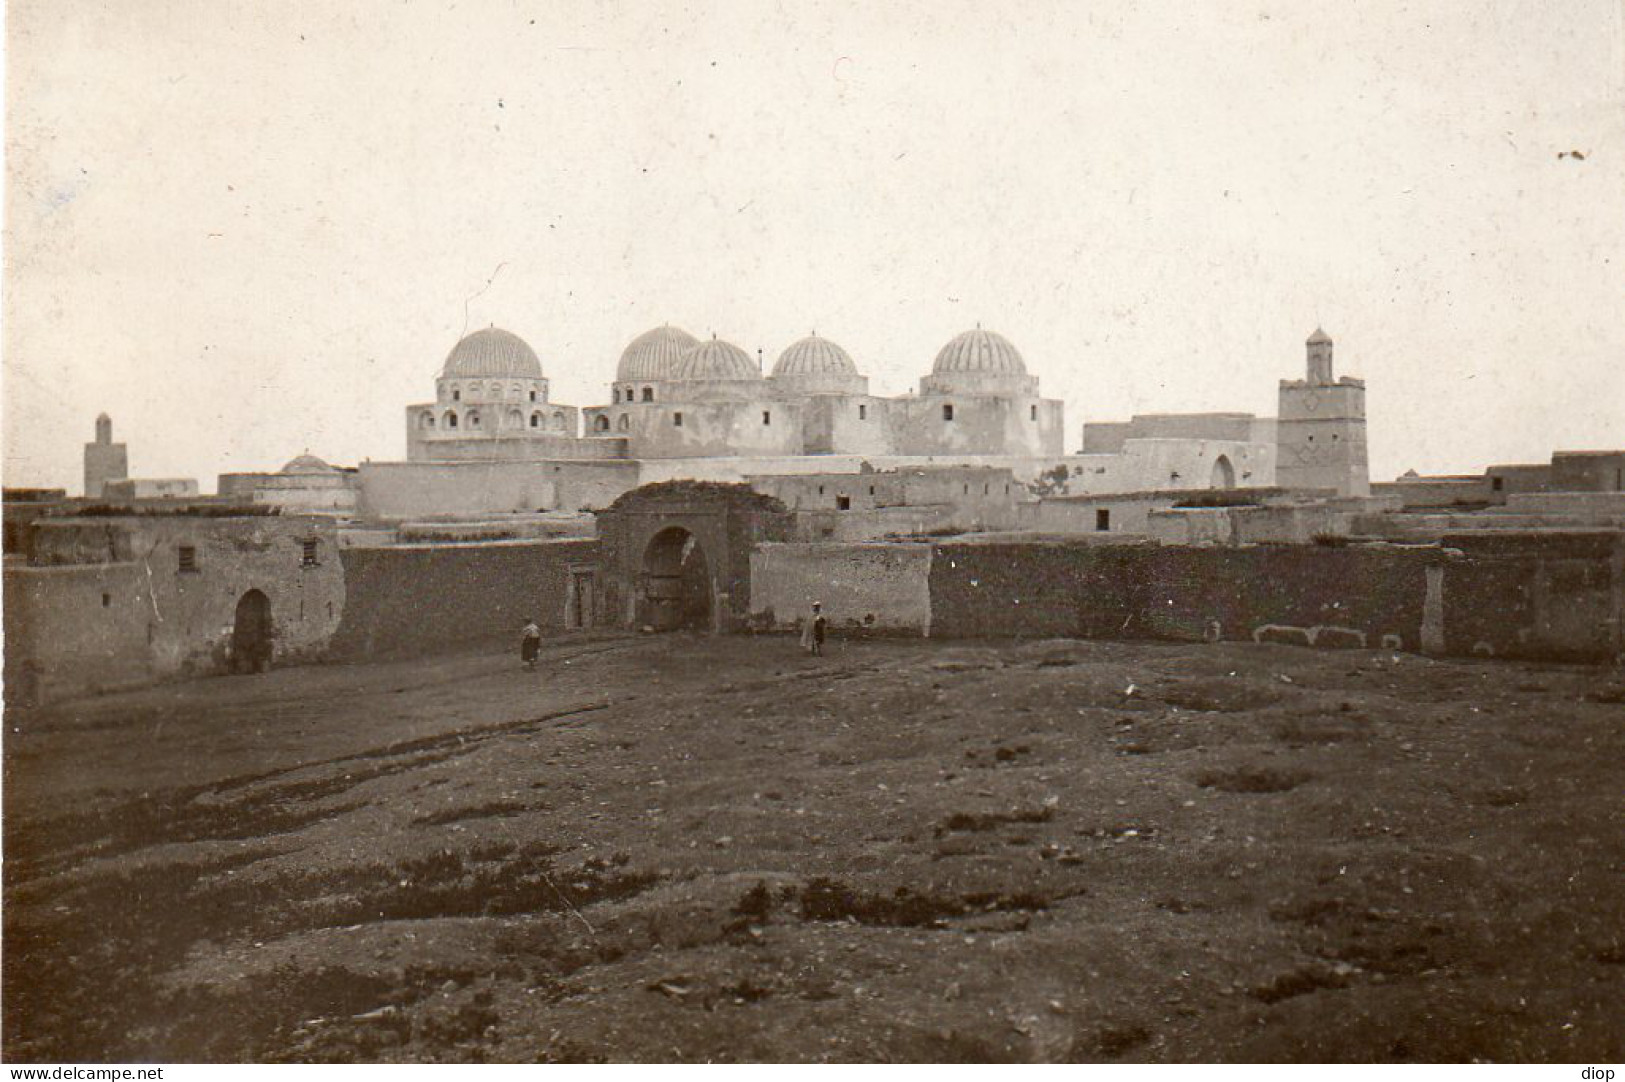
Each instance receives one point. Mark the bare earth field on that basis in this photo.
(692, 848)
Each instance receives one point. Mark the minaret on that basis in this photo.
(104, 460)
(1320, 430)
(1320, 357)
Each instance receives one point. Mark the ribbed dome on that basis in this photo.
(815, 356)
(980, 351)
(654, 354)
(492, 352)
(307, 464)
(716, 359)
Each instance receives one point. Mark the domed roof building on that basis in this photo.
(306, 464)
(492, 367)
(492, 352)
(716, 359)
(653, 355)
(490, 389)
(816, 365)
(979, 362)
(980, 351)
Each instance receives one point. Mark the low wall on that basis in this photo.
(1062, 589)
(1598, 506)
(1548, 595)
(1552, 595)
(408, 490)
(876, 586)
(75, 630)
(427, 598)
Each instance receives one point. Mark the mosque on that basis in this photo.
(677, 397)
(684, 408)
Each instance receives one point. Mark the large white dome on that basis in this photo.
(815, 356)
(716, 359)
(654, 354)
(492, 352)
(980, 351)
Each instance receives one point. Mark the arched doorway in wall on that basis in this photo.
(1224, 474)
(676, 583)
(251, 633)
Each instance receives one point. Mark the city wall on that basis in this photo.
(1555, 596)
(1310, 594)
(880, 587)
(406, 490)
(427, 598)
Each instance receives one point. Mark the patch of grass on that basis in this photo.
(971, 822)
(1614, 694)
(1217, 697)
(1299, 982)
(1252, 780)
(1113, 1041)
(1311, 911)
(495, 809)
(1507, 796)
(1298, 732)
(832, 900)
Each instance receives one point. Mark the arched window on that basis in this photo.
(617, 396)
(623, 422)
(474, 390)
(427, 421)
(516, 419)
(473, 418)
(451, 419)
(948, 411)
(533, 395)
(536, 420)
(558, 422)
(648, 394)
(600, 423)
(514, 392)
(456, 394)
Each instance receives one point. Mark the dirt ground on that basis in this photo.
(684, 848)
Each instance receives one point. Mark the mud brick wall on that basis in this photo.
(1558, 596)
(75, 630)
(423, 599)
(877, 587)
(1314, 594)
(1031, 590)
(1341, 596)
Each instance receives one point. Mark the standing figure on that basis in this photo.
(530, 643)
(812, 635)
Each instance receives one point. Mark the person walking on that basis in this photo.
(530, 643)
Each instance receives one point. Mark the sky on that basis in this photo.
(250, 230)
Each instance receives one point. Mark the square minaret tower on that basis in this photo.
(1320, 431)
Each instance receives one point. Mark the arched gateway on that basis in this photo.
(677, 554)
(676, 583)
(251, 642)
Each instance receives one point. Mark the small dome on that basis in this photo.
(716, 359)
(654, 354)
(492, 352)
(980, 351)
(307, 464)
(815, 356)
(1319, 337)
